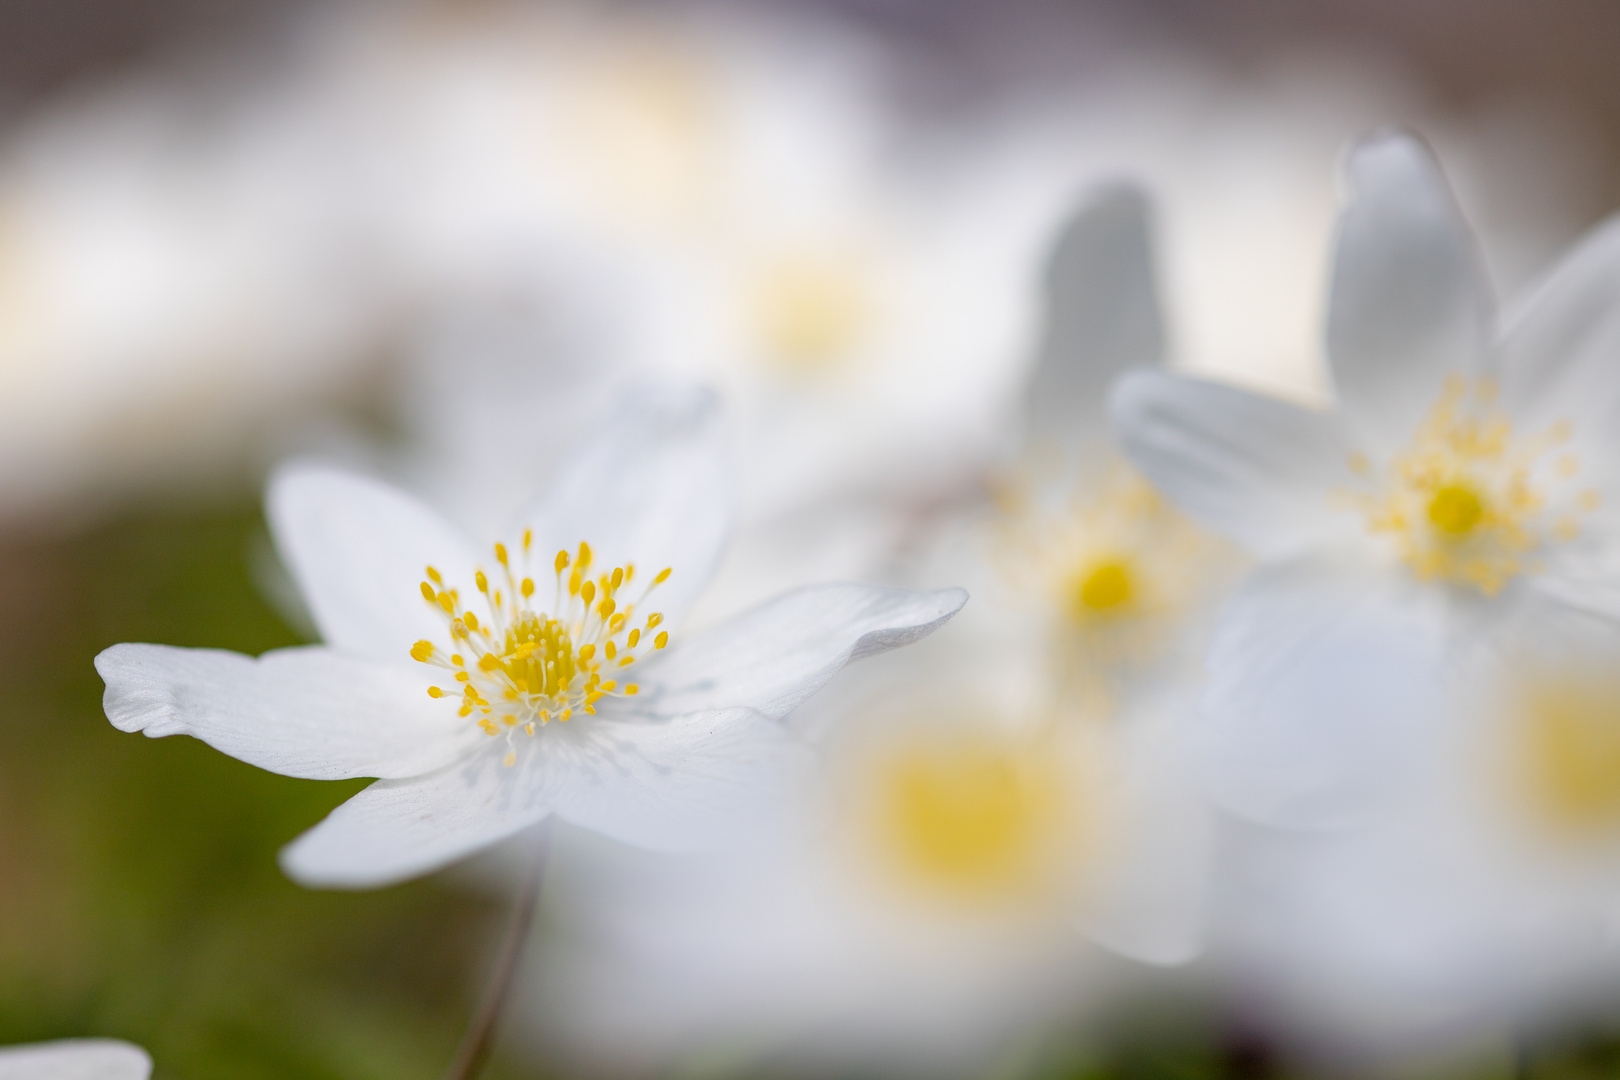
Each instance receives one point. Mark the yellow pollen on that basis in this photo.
(663, 575)
(661, 640)
(422, 651)
(1468, 501)
(561, 562)
(1105, 588)
(500, 554)
(481, 581)
(435, 692)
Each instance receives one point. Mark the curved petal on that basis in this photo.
(358, 549)
(1102, 315)
(75, 1059)
(1325, 696)
(395, 830)
(1255, 469)
(688, 783)
(1409, 300)
(771, 658)
(307, 712)
(650, 488)
(1560, 349)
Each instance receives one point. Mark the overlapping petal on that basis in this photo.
(308, 712)
(650, 487)
(358, 549)
(773, 657)
(1409, 298)
(1252, 468)
(75, 1059)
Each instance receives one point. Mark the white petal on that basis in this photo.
(649, 487)
(358, 549)
(308, 712)
(399, 829)
(75, 1059)
(1325, 697)
(1255, 469)
(1102, 315)
(1561, 343)
(1409, 299)
(688, 783)
(778, 654)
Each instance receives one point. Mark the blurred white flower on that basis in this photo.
(75, 1059)
(997, 803)
(1417, 668)
(533, 710)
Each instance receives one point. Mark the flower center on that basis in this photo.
(1570, 752)
(972, 817)
(810, 312)
(1468, 501)
(1104, 588)
(519, 665)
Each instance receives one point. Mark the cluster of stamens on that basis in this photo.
(1466, 502)
(519, 665)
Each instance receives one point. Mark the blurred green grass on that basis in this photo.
(139, 893)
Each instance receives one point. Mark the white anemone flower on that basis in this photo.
(75, 1059)
(1005, 811)
(488, 694)
(1416, 671)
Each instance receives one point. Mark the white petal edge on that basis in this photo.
(649, 487)
(358, 549)
(75, 1059)
(1255, 469)
(306, 712)
(1409, 300)
(1102, 315)
(776, 655)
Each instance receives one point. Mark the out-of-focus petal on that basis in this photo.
(773, 657)
(1325, 696)
(1252, 468)
(307, 712)
(75, 1059)
(1409, 299)
(1560, 348)
(649, 487)
(359, 550)
(687, 783)
(1102, 316)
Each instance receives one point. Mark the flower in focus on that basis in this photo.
(1002, 808)
(1406, 704)
(75, 1059)
(490, 692)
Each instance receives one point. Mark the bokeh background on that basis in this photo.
(139, 895)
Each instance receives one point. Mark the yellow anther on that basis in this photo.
(584, 559)
(528, 729)
(500, 554)
(510, 695)
(471, 621)
(435, 692)
(481, 581)
(587, 651)
(574, 582)
(527, 588)
(566, 713)
(528, 539)
(428, 594)
(629, 571)
(618, 576)
(609, 686)
(561, 562)
(447, 602)
(661, 640)
(610, 648)
(627, 661)
(455, 658)
(433, 576)
(510, 759)
(605, 608)
(663, 575)
(422, 651)
(488, 662)
(466, 710)
(632, 688)
(462, 676)
(654, 619)
(587, 592)
(616, 623)
(634, 639)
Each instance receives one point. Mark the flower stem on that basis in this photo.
(479, 1038)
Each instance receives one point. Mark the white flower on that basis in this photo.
(1418, 673)
(75, 1059)
(532, 682)
(998, 803)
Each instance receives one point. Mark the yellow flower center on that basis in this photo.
(973, 818)
(1104, 588)
(810, 312)
(518, 666)
(1570, 752)
(1468, 501)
